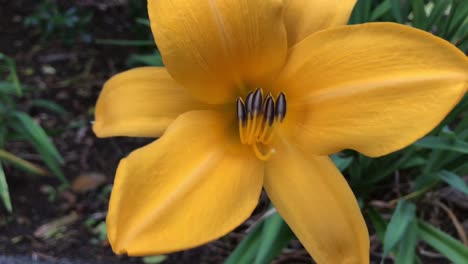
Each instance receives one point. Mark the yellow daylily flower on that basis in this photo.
(257, 94)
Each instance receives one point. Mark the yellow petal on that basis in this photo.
(304, 17)
(375, 88)
(216, 47)
(141, 102)
(315, 200)
(193, 185)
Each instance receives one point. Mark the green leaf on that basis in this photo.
(342, 162)
(380, 225)
(7, 87)
(398, 225)
(397, 11)
(153, 59)
(25, 125)
(4, 193)
(407, 248)
(451, 248)
(415, 161)
(381, 10)
(13, 76)
(275, 236)
(437, 12)
(143, 21)
(125, 42)
(51, 106)
(154, 259)
(246, 251)
(454, 180)
(21, 163)
(419, 13)
(443, 143)
(37, 135)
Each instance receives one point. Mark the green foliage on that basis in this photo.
(404, 215)
(447, 19)
(435, 161)
(15, 124)
(264, 242)
(445, 244)
(53, 21)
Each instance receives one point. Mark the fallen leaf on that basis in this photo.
(48, 230)
(87, 182)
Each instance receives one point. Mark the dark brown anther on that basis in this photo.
(257, 100)
(241, 114)
(266, 99)
(269, 111)
(280, 111)
(249, 104)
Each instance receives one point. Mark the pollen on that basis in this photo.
(259, 117)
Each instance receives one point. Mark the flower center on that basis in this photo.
(258, 118)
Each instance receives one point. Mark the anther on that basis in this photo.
(269, 110)
(249, 104)
(241, 113)
(280, 111)
(257, 101)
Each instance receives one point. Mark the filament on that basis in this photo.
(262, 156)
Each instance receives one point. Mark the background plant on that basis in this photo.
(52, 20)
(17, 125)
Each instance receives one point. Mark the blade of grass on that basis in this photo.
(380, 225)
(342, 162)
(451, 248)
(407, 247)
(7, 87)
(25, 125)
(37, 134)
(397, 11)
(51, 106)
(153, 59)
(275, 236)
(454, 180)
(246, 251)
(443, 143)
(419, 13)
(381, 10)
(437, 12)
(10, 63)
(405, 213)
(4, 193)
(21, 163)
(125, 42)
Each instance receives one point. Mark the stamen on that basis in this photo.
(241, 113)
(259, 118)
(256, 108)
(280, 111)
(251, 135)
(268, 116)
(262, 156)
(270, 136)
(257, 100)
(248, 107)
(249, 104)
(242, 117)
